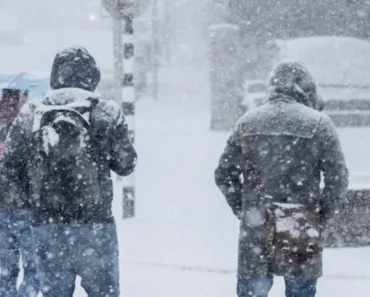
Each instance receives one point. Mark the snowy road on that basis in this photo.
(183, 226)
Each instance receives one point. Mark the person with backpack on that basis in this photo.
(68, 142)
(270, 174)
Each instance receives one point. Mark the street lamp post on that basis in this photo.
(124, 56)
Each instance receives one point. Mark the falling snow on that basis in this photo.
(199, 66)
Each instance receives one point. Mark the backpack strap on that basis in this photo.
(243, 143)
(94, 103)
(93, 151)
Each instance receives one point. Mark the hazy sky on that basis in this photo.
(182, 20)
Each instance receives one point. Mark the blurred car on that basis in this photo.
(341, 66)
(35, 84)
(15, 90)
(11, 101)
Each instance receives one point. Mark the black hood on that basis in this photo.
(74, 67)
(293, 80)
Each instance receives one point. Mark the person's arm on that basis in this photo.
(123, 154)
(334, 169)
(228, 173)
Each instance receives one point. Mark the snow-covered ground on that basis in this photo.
(183, 241)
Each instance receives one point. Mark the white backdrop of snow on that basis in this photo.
(332, 60)
(184, 238)
(182, 219)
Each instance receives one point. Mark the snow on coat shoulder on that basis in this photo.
(68, 96)
(66, 99)
(109, 110)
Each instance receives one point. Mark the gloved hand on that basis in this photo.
(327, 217)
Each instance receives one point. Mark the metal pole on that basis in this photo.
(128, 107)
(117, 54)
(155, 49)
(124, 57)
(168, 30)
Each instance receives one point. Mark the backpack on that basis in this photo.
(293, 238)
(66, 161)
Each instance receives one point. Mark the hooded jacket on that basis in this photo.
(74, 67)
(114, 149)
(277, 153)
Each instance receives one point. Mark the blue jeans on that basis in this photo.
(87, 250)
(16, 240)
(261, 286)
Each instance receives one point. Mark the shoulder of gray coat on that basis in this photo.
(65, 96)
(109, 111)
(281, 118)
(28, 109)
(327, 125)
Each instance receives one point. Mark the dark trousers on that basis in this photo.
(16, 241)
(261, 286)
(87, 250)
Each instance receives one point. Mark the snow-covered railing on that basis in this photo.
(345, 86)
(351, 226)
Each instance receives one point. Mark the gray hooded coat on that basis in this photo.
(277, 153)
(74, 78)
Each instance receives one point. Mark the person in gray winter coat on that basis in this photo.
(58, 158)
(276, 154)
